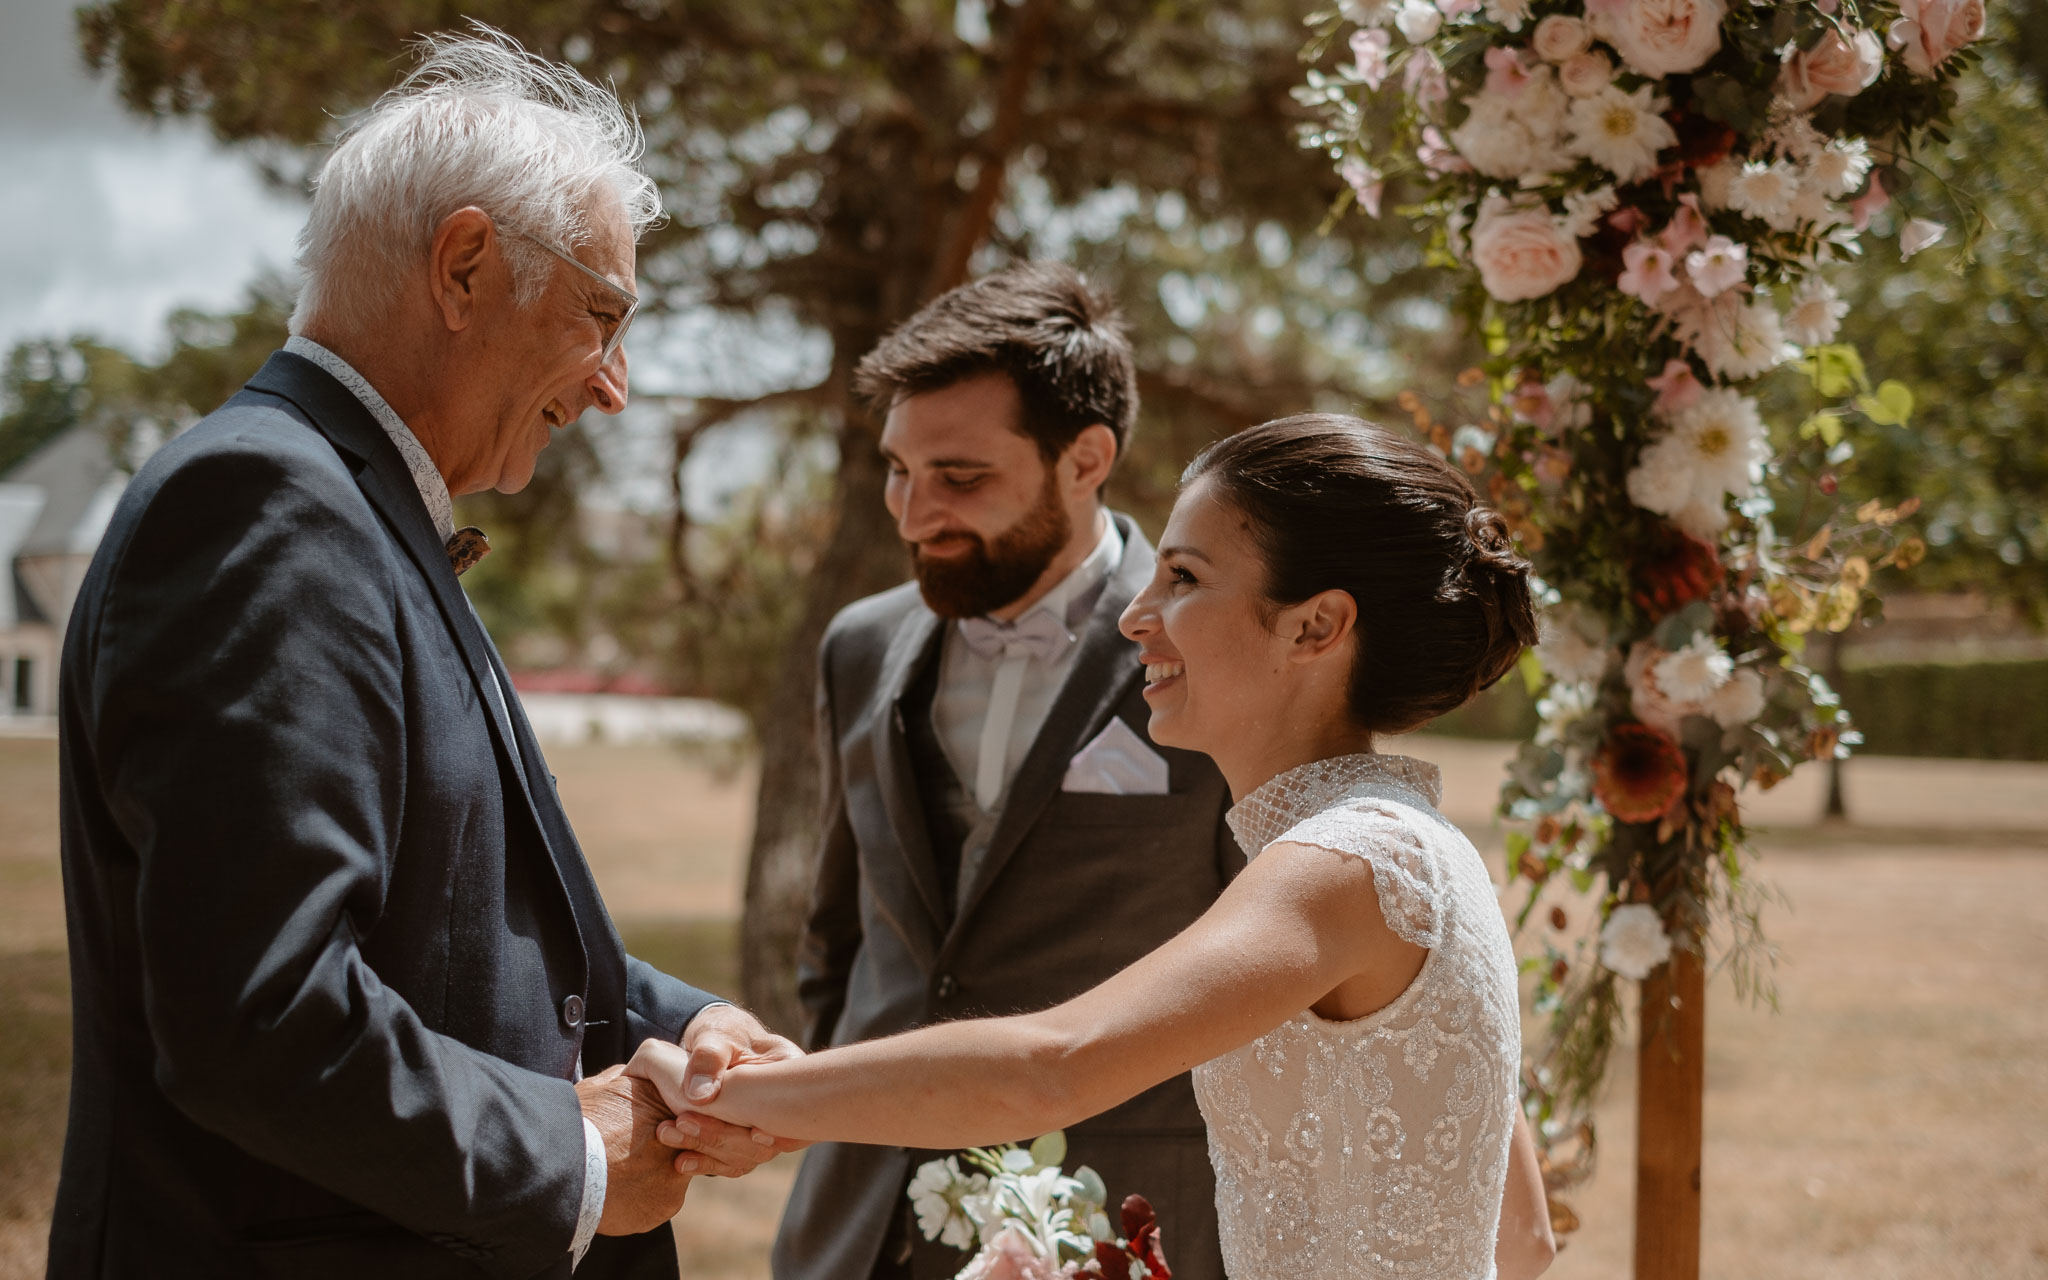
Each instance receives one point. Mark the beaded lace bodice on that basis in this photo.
(1377, 1148)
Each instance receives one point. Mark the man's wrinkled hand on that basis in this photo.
(720, 1037)
(643, 1189)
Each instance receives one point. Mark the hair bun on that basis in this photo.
(1492, 547)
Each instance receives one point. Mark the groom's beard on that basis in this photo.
(991, 574)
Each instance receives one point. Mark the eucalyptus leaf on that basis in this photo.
(1677, 631)
(1050, 1150)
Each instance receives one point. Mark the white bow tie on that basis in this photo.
(1037, 635)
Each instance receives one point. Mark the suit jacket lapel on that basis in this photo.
(389, 487)
(911, 650)
(1104, 669)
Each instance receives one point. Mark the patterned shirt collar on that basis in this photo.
(1306, 790)
(425, 475)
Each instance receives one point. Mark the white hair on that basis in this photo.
(481, 122)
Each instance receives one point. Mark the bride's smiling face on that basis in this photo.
(1226, 672)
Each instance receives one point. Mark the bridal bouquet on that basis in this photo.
(1642, 200)
(1027, 1220)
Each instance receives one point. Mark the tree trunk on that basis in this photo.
(1671, 1089)
(1837, 804)
(861, 558)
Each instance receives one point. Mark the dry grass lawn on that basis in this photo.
(1891, 1121)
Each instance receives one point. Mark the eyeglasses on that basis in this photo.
(617, 335)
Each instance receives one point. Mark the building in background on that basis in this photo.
(54, 507)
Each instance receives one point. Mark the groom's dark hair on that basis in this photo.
(1062, 345)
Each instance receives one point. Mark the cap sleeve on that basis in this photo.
(1406, 874)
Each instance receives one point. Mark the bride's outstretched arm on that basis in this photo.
(1294, 925)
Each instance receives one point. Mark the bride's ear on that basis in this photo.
(1319, 625)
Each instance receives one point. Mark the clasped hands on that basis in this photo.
(651, 1151)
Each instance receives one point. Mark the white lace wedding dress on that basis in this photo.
(1375, 1149)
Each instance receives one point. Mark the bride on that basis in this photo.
(1348, 1006)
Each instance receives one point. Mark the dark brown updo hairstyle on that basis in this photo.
(1335, 503)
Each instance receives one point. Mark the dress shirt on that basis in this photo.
(967, 680)
(441, 509)
(425, 475)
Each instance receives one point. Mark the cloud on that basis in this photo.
(113, 221)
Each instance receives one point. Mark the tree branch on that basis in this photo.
(975, 217)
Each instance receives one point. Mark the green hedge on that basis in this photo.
(1965, 710)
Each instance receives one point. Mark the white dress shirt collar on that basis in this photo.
(425, 475)
(1074, 596)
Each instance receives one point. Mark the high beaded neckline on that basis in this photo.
(1306, 790)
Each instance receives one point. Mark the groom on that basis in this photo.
(347, 1002)
(1001, 833)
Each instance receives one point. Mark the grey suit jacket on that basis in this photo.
(1064, 890)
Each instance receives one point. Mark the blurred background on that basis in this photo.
(660, 588)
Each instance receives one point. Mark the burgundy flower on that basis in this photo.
(1638, 773)
(1141, 1228)
(1675, 570)
(1701, 142)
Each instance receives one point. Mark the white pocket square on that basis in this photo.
(1117, 763)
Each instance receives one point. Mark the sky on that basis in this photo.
(113, 221)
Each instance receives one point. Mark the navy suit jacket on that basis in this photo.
(325, 910)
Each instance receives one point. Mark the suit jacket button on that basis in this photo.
(946, 987)
(572, 1012)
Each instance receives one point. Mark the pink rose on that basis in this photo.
(1522, 253)
(1845, 67)
(1009, 1257)
(1560, 37)
(1659, 38)
(1929, 32)
(1585, 74)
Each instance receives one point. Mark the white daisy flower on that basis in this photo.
(1695, 672)
(1737, 340)
(1724, 438)
(1816, 314)
(1840, 167)
(1765, 191)
(1621, 131)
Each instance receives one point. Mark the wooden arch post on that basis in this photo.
(1671, 1063)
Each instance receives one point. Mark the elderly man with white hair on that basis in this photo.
(347, 1002)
